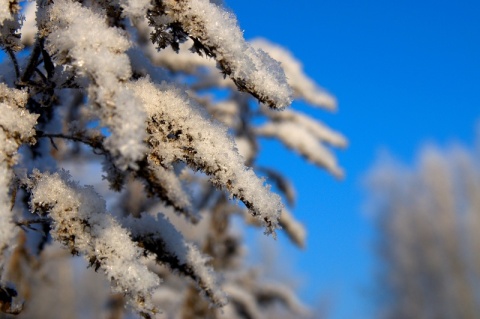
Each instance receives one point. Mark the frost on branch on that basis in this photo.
(10, 23)
(97, 53)
(306, 136)
(5, 10)
(135, 9)
(303, 87)
(310, 138)
(81, 223)
(294, 229)
(158, 235)
(181, 131)
(305, 141)
(215, 33)
(16, 128)
(246, 294)
(176, 139)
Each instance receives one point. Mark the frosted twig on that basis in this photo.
(82, 224)
(215, 33)
(102, 60)
(16, 128)
(181, 131)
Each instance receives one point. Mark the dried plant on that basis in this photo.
(131, 86)
(428, 242)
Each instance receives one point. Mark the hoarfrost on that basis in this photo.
(182, 256)
(303, 87)
(294, 229)
(135, 9)
(16, 128)
(10, 24)
(98, 53)
(105, 245)
(183, 147)
(219, 36)
(301, 140)
(5, 11)
(181, 131)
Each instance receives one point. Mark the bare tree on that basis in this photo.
(158, 98)
(428, 220)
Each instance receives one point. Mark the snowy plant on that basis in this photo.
(166, 101)
(428, 239)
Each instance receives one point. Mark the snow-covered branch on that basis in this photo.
(10, 24)
(303, 87)
(81, 223)
(216, 34)
(160, 237)
(97, 53)
(16, 128)
(159, 99)
(300, 139)
(181, 131)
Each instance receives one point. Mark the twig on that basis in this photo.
(47, 60)
(32, 63)
(28, 222)
(12, 56)
(96, 144)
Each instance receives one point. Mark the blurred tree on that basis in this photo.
(158, 98)
(429, 243)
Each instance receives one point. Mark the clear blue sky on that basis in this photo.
(404, 73)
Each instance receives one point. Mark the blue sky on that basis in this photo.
(405, 73)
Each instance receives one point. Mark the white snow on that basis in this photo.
(316, 128)
(82, 224)
(181, 130)
(301, 84)
(135, 9)
(301, 140)
(10, 24)
(218, 30)
(188, 255)
(4, 11)
(98, 53)
(16, 128)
